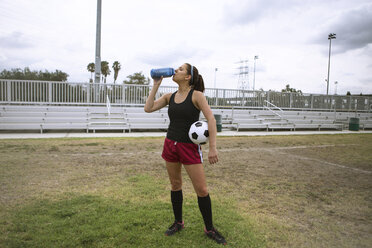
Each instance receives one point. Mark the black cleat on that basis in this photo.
(175, 227)
(216, 236)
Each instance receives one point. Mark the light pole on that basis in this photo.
(330, 37)
(336, 87)
(254, 71)
(97, 71)
(215, 76)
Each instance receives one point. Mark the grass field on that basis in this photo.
(273, 191)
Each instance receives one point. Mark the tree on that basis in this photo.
(137, 78)
(288, 89)
(91, 68)
(139, 91)
(116, 67)
(105, 69)
(27, 74)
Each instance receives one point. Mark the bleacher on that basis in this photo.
(46, 118)
(13, 117)
(127, 119)
(297, 120)
(100, 119)
(138, 119)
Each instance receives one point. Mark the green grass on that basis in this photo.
(86, 220)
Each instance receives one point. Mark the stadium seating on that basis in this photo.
(43, 118)
(128, 119)
(296, 120)
(146, 121)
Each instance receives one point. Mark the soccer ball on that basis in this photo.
(198, 132)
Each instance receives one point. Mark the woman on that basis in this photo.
(184, 109)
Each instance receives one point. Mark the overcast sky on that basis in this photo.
(290, 38)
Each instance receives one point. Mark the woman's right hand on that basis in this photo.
(151, 105)
(157, 81)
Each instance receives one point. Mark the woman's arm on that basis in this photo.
(152, 105)
(201, 103)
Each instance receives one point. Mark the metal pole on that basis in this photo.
(329, 63)
(215, 76)
(254, 71)
(215, 90)
(336, 87)
(330, 37)
(50, 85)
(97, 72)
(9, 91)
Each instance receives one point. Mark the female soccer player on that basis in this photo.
(184, 108)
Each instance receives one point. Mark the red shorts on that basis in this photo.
(185, 153)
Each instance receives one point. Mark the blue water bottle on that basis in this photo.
(162, 72)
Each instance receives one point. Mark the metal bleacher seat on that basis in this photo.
(366, 125)
(99, 118)
(314, 121)
(286, 120)
(65, 118)
(240, 126)
(240, 122)
(42, 118)
(140, 120)
(317, 126)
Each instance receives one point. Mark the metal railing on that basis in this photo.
(66, 93)
(268, 104)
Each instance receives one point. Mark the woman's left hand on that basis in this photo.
(213, 156)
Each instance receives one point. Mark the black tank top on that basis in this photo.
(181, 116)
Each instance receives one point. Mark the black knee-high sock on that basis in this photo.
(177, 199)
(205, 207)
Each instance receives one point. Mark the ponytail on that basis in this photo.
(196, 81)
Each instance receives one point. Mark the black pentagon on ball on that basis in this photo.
(194, 136)
(206, 133)
(198, 124)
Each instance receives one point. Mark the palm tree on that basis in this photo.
(116, 67)
(105, 69)
(91, 68)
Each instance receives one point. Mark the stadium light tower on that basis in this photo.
(331, 36)
(254, 71)
(336, 87)
(215, 76)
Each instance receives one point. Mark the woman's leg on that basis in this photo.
(197, 176)
(196, 173)
(174, 173)
(175, 177)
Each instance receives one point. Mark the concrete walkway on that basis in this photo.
(161, 134)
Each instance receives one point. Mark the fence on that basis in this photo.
(65, 93)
